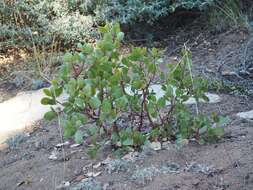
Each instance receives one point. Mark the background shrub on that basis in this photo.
(69, 21)
(65, 22)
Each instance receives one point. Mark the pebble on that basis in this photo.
(53, 156)
(156, 146)
(246, 115)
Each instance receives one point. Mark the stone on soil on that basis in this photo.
(246, 115)
(20, 112)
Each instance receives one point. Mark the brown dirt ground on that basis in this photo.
(26, 165)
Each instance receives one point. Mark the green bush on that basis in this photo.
(132, 11)
(106, 88)
(42, 22)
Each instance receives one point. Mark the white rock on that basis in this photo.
(97, 165)
(21, 111)
(93, 174)
(166, 145)
(63, 185)
(246, 115)
(53, 156)
(75, 145)
(155, 146)
(62, 144)
(213, 98)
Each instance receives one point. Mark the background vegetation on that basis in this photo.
(65, 22)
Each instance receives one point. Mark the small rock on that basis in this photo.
(131, 156)
(37, 84)
(199, 168)
(93, 174)
(97, 165)
(230, 74)
(166, 145)
(62, 144)
(155, 146)
(79, 178)
(246, 115)
(20, 183)
(165, 139)
(171, 168)
(53, 156)
(105, 186)
(75, 145)
(118, 165)
(145, 175)
(87, 184)
(107, 161)
(63, 185)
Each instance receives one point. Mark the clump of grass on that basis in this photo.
(227, 14)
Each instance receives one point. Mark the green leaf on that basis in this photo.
(137, 84)
(95, 102)
(92, 130)
(169, 91)
(83, 118)
(223, 121)
(121, 102)
(69, 129)
(154, 52)
(201, 141)
(92, 152)
(120, 36)
(161, 102)
(217, 132)
(67, 57)
(47, 92)
(106, 106)
(80, 102)
(203, 130)
(103, 29)
(79, 137)
(87, 49)
(128, 142)
(50, 115)
(58, 91)
(87, 90)
(47, 101)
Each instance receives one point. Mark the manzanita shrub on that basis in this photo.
(109, 96)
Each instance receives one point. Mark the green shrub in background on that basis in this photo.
(43, 22)
(107, 89)
(132, 11)
(68, 21)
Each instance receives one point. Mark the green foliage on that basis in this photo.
(66, 22)
(43, 22)
(132, 11)
(105, 86)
